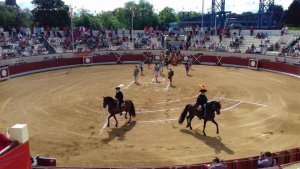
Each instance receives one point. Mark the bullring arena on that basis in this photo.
(66, 119)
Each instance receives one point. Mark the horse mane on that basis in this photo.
(109, 98)
(215, 103)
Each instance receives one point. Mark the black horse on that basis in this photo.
(113, 109)
(211, 108)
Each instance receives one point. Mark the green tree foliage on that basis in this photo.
(108, 20)
(167, 15)
(293, 14)
(51, 13)
(143, 14)
(12, 17)
(87, 20)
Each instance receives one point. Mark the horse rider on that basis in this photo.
(201, 101)
(119, 97)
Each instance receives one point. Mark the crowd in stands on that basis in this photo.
(294, 51)
(18, 42)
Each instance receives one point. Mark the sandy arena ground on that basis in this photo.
(63, 109)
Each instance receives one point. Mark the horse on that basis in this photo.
(113, 109)
(211, 108)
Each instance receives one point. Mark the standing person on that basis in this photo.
(161, 68)
(251, 31)
(167, 61)
(190, 61)
(119, 96)
(201, 101)
(187, 67)
(142, 68)
(136, 74)
(170, 76)
(149, 62)
(156, 70)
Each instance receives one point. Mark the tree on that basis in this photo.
(51, 13)
(166, 16)
(87, 20)
(108, 20)
(143, 14)
(12, 17)
(292, 16)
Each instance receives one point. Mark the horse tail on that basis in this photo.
(132, 109)
(183, 114)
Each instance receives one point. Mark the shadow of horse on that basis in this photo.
(119, 132)
(213, 142)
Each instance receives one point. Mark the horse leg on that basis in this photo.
(108, 120)
(204, 127)
(213, 120)
(116, 120)
(187, 121)
(129, 118)
(126, 115)
(191, 122)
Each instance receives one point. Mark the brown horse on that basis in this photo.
(113, 109)
(211, 108)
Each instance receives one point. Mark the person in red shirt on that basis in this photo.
(4, 141)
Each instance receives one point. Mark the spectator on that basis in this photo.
(251, 31)
(266, 160)
(4, 140)
(217, 164)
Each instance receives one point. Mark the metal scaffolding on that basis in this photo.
(218, 14)
(265, 14)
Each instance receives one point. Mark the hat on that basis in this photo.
(202, 88)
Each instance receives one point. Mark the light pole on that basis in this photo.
(216, 16)
(132, 15)
(72, 31)
(202, 25)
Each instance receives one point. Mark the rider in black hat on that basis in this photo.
(119, 96)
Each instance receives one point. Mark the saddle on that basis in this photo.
(200, 114)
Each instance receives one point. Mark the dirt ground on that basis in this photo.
(66, 119)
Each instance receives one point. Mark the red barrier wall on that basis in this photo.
(276, 66)
(18, 158)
